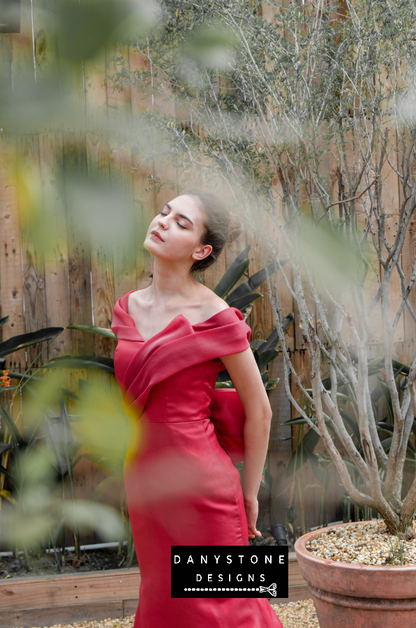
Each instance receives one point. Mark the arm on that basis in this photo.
(245, 375)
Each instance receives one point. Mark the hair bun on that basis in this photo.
(235, 228)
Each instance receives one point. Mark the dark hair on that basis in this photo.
(221, 226)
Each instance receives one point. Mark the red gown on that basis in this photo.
(181, 486)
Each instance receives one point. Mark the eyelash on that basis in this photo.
(178, 223)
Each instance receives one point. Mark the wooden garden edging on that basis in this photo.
(64, 599)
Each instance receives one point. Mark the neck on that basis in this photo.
(171, 281)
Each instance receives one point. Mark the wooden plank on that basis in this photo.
(24, 64)
(391, 201)
(6, 62)
(268, 232)
(28, 602)
(61, 615)
(261, 318)
(98, 167)
(78, 249)
(408, 260)
(279, 451)
(143, 195)
(66, 590)
(56, 259)
(121, 175)
(102, 289)
(125, 252)
(11, 282)
(33, 259)
(130, 607)
(95, 90)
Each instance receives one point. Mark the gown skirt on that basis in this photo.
(182, 487)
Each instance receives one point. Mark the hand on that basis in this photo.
(252, 511)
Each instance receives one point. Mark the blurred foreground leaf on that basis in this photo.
(106, 431)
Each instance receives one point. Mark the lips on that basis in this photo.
(156, 235)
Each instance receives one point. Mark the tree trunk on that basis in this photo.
(399, 529)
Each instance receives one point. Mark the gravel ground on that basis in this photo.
(292, 615)
(366, 544)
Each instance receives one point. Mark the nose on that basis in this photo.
(162, 221)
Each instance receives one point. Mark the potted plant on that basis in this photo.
(312, 127)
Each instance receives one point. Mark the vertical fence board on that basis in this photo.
(6, 62)
(78, 250)
(120, 109)
(23, 72)
(56, 258)
(143, 195)
(33, 261)
(279, 450)
(11, 282)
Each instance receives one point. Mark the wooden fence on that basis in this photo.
(79, 282)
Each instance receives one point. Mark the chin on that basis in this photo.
(149, 244)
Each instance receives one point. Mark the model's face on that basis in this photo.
(175, 234)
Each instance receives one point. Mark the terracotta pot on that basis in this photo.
(358, 596)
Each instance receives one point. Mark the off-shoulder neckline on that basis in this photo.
(126, 296)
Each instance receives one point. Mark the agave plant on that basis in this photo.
(242, 297)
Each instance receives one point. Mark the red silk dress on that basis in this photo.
(181, 486)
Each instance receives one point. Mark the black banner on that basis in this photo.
(9, 16)
(229, 571)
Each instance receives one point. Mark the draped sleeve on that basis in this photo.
(178, 346)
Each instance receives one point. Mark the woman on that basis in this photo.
(182, 487)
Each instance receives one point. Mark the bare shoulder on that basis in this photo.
(137, 298)
(211, 303)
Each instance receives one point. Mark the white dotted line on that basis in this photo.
(224, 589)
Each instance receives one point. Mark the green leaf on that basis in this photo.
(307, 444)
(260, 277)
(352, 423)
(280, 438)
(317, 471)
(376, 363)
(4, 320)
(58, 439)
(81, 362)
(386, 443)
(385, 391)
(11, 425)
(230, 278)
(6, 473)
(233, 273)
(99, 331)
(256, 344)
(298, 420)
(400, 368)
(57, 531)
(266, 358)
(288, 320)
(272, 383)
(270, 342)
(242, 290)
(26, 340)
(243, 302)
(267, 480)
